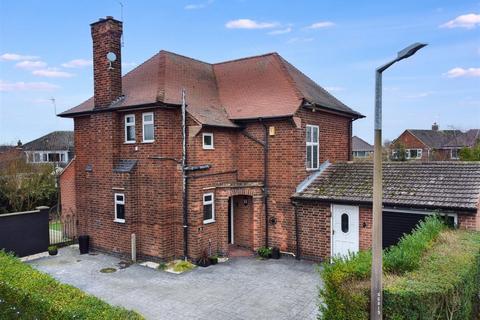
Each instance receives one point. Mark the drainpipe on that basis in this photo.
(297, 236)
(184, 178)
(265, 179)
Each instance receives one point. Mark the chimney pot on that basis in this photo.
(435, 126)
(107, 76)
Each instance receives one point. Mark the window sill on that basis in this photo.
(119, 220)
(212, 148)
(130, 142)
(148, 141)
(208, 221)
(312, 169)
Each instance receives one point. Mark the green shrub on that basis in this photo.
(182, 266)
(264, 252)
(26, 293)
(346, 292)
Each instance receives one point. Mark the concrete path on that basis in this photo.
(242, 288)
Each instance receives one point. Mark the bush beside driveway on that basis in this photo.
(242, 288)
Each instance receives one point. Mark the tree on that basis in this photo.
(470, 154)
(25, 186)
(398, 152)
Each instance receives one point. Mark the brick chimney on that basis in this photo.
(107, 76)
(435, 126)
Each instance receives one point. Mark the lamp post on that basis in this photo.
(376, 312)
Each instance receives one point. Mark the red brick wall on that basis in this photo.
(153, 190)
(243, 221)
(409, 141)
(67, 190)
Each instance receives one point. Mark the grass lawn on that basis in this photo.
(56, 225)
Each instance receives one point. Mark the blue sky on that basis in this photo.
(45, 52)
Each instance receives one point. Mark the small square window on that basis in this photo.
(208, 141)
(208, 208)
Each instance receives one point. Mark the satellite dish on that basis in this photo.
(111, 56)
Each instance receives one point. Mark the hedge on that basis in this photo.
(26, 293)
(417, 257)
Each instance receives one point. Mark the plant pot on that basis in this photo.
(204, 263)
(83, 243)
(53, 252)
(275, 253)
(213, 260)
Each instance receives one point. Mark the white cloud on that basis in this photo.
(334, 89)
(321, 24)
(23, 86)
(198, 5)
(16, 57)
(77, 63)
(28, 64)
(280, 31)
(461, 72)
(299, 40)
(249, 24)
(52, 73)
(468, 21)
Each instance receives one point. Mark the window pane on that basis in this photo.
(309, 156)
(207, 140)
(413, 153)
(130, 119)
(45, 157)
(309, 134)
(344, 223)
(148, 132)
(207, 198)
(147, 117)
(120, 211)
(130, 133)
(314, 156)
(207, 212)
(315, 134)
(36, 157)
(120, 198)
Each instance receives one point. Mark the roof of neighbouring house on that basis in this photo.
(435, 138)
(54, 141)
(466, 139)
(217, 94)
(428, 185)
(359, 144)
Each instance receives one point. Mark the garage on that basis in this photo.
(396, 223)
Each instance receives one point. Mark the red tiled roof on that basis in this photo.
(262, 86)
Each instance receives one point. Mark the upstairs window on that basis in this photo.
(119, 207)
(312, 147)
(208, 208)
(148, 128)
(130, 128)
(207, 141)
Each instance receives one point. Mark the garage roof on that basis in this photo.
(429, 185)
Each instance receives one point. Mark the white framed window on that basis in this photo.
(208, 208)
(37, 157)
(413, 153)
(312, 139)
(119, 200)
(44, 157)
(148, 128)
(130, 128)
(207, 139)
(454, 154)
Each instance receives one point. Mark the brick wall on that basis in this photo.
(67, 190)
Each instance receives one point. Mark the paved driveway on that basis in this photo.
(242, 288)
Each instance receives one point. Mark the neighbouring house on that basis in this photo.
(334, 206)
(361, 149)
(254, 129)
(434, 144)
(9, 153)
(56, 147)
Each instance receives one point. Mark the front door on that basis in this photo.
(345, 229)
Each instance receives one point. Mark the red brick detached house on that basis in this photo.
(255, 128)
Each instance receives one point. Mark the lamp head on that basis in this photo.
(410, 50)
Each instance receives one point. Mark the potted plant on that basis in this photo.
(264, 252)
(213, 260)
(204, 260)
(52, 250)
(275, 253)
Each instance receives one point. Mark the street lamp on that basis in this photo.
(377, 270)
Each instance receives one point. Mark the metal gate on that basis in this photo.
(62, 227)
